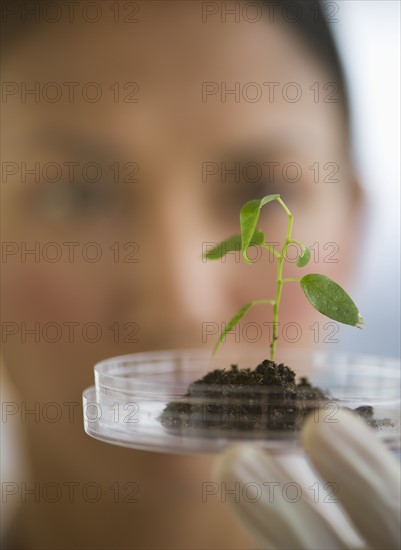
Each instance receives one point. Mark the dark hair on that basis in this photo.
(309, 21)
(306, 17)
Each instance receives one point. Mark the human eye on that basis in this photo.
(77, 178)
(77, 200)
(238, 181)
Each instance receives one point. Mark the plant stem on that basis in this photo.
(280, 280)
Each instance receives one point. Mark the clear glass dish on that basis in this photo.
(125, 407)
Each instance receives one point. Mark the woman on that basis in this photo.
(115, 115)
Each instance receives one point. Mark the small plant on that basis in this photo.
(324, 295)
(267, 398)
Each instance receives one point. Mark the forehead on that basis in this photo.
(173, 80)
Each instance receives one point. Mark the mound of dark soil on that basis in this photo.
(267, 398)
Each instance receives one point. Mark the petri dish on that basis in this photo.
(127, 405)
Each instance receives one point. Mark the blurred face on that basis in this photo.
(140, 147)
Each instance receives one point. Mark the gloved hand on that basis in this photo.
(346, 453)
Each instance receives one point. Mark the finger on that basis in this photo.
(367, 474)
(322, 494)
(277, 519)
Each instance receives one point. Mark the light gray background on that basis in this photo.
(368, 36)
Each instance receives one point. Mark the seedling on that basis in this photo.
(267, 398)
(323, 294)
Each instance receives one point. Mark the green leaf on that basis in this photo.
(304, 258)
(233, 244)
(331, 300)
(249, 217)
(237, 317)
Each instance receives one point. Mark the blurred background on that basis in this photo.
(368, 38)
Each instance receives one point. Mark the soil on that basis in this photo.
(266, 399)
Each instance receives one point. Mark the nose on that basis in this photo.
(177, 292)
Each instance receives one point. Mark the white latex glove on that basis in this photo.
(347, 453)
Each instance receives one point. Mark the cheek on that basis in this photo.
(54, 292)
(58, 272)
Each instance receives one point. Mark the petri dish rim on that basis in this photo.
(153, 379)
